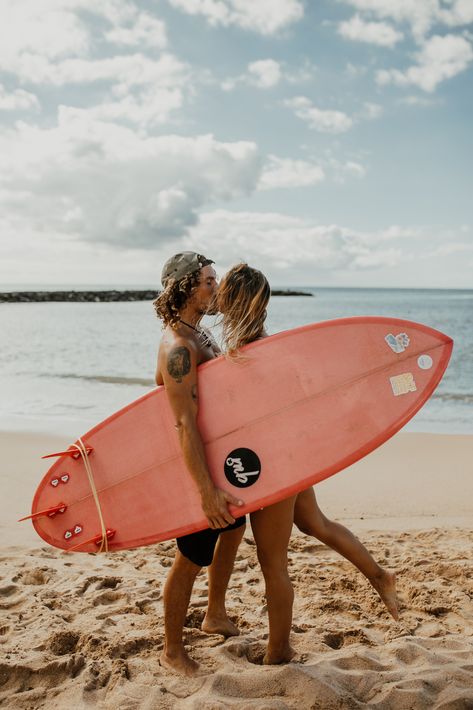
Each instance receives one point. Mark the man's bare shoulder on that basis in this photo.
(172, 339)
(172, 345)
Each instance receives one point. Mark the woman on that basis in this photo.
(243, 297)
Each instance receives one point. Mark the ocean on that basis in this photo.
(66, 366)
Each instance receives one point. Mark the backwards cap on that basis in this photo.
(179, 265)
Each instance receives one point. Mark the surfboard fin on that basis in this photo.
(50, 512)
(97, 539)
(73, 453)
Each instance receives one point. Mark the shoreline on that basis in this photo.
(102, 296)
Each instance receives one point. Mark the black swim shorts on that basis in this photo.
(199, 547)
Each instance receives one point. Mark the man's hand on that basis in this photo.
(214, 505)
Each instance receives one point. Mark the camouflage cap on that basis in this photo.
(181, 264)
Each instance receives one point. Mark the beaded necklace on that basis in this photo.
(203, 337)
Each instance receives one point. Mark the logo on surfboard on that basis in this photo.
(242, 468)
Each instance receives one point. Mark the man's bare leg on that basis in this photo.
(272, 529)
(216, 620)
(176, 596)
(310, 520)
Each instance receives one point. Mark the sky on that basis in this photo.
(326, 143)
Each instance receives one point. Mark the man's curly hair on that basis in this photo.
(174, 297)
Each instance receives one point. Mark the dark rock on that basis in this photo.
(99, 296)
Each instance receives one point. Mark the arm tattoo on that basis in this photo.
(179, 363)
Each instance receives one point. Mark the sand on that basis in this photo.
(84, 631)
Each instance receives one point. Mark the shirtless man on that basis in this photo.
(190, 286)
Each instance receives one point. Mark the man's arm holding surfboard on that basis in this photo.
(180, 380)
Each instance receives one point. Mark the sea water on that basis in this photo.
(66, 366)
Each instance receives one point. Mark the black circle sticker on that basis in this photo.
(242, 468)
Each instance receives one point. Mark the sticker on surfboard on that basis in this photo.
(398, 343)
(242, 468)
(402, 384)
(76, 530)
(425, 362)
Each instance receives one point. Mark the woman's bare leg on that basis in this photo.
(311, 521)
(272, 529)
(216, 620)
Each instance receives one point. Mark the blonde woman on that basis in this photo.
(243, 297)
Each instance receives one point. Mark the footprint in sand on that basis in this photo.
(9, 597)
(4, 632)
(64, 642)
(37, 575)
(252, 651)
(194, 619)
(98, 677)
(109, 582)
(358, 662)
(333, 640)
(336, 640)
(23, 678)
(109, 597)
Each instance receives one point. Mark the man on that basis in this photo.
(190, 286)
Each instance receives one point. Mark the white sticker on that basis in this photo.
(398, 343)
(402, 384)
(425, 362)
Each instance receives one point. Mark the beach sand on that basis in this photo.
(85, 631)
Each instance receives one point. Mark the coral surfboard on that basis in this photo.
(299, 407)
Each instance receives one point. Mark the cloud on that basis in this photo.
(105, 183)
(263, 74)
(39, 30)
(378, 33)
(266, 17)
(52, 29)
(146, 30)
(452, 248)
(137, 88)
(348, 169)
(146, 91)
(370, 111)
(419, 101)
(280, 243)
(50, 43)
(318, 119)
(304, 72)
(125, 71)
(288, 173)
(268, 73)
(17, 100)
(420, 15)
(441, 58)
(355, 71)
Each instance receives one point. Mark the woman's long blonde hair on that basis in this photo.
(242, 299)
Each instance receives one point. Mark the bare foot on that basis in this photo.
(179, 662)
(219, 625)
(385, 585)
(274, 657)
